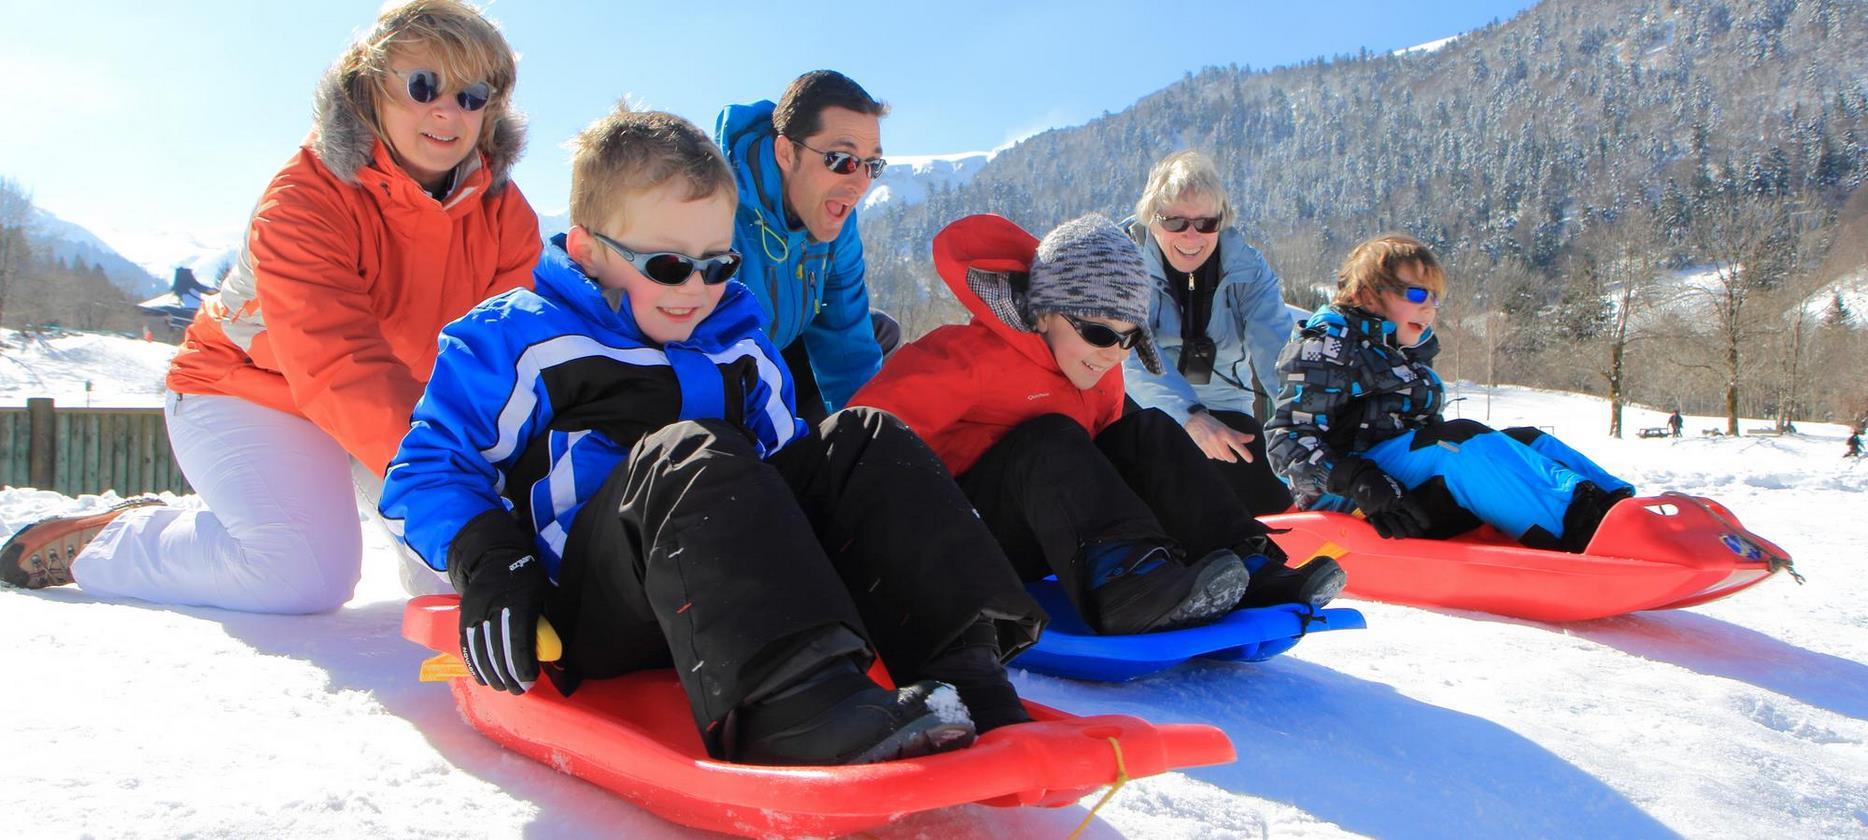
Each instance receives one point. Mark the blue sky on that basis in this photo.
(172, 116)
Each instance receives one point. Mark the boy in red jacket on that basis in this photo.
(1025, 406)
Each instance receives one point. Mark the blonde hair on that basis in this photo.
(1183, 174)
(467, 46)
(1370, 269)
(628, 152)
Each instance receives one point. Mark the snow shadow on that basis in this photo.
(1722, 649)
(1372, 761)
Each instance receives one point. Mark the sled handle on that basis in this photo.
(446, 666)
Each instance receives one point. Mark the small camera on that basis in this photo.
(1196, 359)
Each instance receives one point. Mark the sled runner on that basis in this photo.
(1068, 648)
(635, 737)
(1650, 553)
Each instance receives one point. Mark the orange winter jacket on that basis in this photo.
(348, 273)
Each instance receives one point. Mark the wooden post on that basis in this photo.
(42, 459)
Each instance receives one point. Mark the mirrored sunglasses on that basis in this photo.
(671, 269)
(1103, 335)
(425, 87)
(1176, 224)
(844, 163)
(1417, 294)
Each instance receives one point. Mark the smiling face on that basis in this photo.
(1411, 320)
(822, 199)
(660, 219)
(1190, 248)
(426, 140)
(1083, 363)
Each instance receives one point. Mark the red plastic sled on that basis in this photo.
(634, 736)
(1651, 553)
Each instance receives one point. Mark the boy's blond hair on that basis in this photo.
(467, 46)
(1370, 270)
(628, 152)
(1183, 174)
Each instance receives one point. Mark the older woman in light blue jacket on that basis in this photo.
(1219, 320)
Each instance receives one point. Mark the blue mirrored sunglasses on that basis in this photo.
(844, 163)
(671, 269)
(1417, 294)
(425, 87)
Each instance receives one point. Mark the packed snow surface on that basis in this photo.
(1746, 717)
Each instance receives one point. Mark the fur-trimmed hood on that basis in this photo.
(345, 143)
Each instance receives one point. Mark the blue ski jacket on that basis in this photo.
(807, 289)
(538, 396)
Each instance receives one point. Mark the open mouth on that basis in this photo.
(440, 140)
(680, 313)
(837, 210)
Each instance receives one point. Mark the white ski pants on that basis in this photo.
(280, 533)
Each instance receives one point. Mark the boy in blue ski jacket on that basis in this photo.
(802, 166)
(1358, 423)
(618, 451)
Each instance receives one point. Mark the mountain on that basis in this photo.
(910, 178)
(64, 240)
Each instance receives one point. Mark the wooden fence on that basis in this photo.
(75, 451)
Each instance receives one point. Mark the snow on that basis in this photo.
(1746, 717)
(1430, 46)
(909, 177)
(122, 372)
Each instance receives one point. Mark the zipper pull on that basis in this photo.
(1190, 281)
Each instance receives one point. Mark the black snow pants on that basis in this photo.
(744, 574)
(1047, 489)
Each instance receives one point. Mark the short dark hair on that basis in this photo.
(800, 112)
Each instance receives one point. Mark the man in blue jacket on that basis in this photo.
(802, 166)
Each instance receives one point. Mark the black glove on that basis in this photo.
(502, 587)
(1389, 507)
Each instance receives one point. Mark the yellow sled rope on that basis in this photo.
(446, 666)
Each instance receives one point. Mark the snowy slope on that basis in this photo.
(1741, 718)
(76, 245)
(909, 177)
(122, 372)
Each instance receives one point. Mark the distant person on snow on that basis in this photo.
(1358, 424)
(1217, 311)
(1854, 444)
(802, 166)
(1025, 406)
(395, 217)
(617, 451)
(1676, 422)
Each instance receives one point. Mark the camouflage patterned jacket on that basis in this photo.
(1344, 387)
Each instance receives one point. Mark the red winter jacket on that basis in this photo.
(962, 388)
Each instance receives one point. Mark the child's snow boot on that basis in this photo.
(1314, 583)
(1138, 587)
(1588, 505)
(837, 715)
(972, 666)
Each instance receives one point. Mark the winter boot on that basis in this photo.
(1588, 505)
(1315, 583)
(1138, 587)
(836, 715)
(40, 554)
(972, 666)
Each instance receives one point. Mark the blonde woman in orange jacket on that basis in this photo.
(394, 218)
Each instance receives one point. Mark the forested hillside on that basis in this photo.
(1636, 194)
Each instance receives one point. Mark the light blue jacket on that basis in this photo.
(1249, 326)
(808, 289)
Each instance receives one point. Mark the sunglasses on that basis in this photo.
(1102, 335)
(1416, 294)
(671, 269)
(425, 87)
(844, 163)
(1176, 224)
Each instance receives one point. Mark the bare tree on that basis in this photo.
(15, 251)
(1748, 235)
(1623, 262)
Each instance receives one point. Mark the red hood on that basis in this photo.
(992, 243)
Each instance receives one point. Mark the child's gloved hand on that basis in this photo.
(500, 607)
(1389, 507)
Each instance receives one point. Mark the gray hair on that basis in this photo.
(1181, 175)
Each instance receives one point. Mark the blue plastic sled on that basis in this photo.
(1068, 648)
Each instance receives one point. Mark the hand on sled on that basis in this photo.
(1394, 512)
(501, 606)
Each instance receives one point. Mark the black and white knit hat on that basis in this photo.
(1089, 268)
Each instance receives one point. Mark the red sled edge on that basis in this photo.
(1658, 552)
(634, 737)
